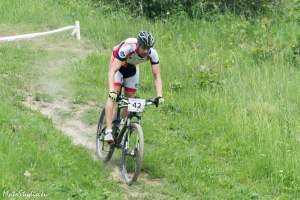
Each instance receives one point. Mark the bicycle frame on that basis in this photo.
(129, 137)
(120, 133)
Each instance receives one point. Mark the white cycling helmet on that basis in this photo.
(145, 39)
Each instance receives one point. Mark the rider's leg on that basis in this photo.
(110, 107)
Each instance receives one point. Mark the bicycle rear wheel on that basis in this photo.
(103, 149)
(132, 153)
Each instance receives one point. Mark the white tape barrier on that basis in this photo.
(76, 32)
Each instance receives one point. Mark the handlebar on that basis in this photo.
(150, 101)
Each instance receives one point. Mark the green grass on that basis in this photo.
(30, 143)
(228, 131)
(230, 123)
(59, 169)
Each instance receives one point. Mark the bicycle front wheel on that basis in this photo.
(103, 149)
(132, 153)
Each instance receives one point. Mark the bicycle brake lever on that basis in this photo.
(154, 101)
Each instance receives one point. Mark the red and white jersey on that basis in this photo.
(126, 51)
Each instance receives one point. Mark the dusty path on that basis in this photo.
(83, 134)
(66, 115)
(80, 133)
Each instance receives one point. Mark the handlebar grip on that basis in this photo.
(154, 101)
(120, 97)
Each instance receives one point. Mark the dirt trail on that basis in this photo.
(66, 115)
(80, 133)
(83, 134)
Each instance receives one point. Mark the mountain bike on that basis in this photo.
(128, 136)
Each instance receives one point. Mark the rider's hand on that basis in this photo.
(159, 100)
(113, 95)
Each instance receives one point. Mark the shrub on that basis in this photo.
(154, 9)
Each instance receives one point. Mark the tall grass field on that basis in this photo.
(229, 127)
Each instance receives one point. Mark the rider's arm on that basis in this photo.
(113, 68)
(116, 64)
(157, 79)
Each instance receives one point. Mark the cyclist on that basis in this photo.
(124, 71)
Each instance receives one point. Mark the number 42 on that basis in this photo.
(137, 105)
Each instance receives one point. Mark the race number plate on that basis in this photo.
(136, 105)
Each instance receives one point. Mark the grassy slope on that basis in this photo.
(234, 139)
(60, 170)
(30, 144)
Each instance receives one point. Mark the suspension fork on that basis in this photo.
(130, 129)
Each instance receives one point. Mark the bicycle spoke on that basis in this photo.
(103, 149)
(132, 154)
